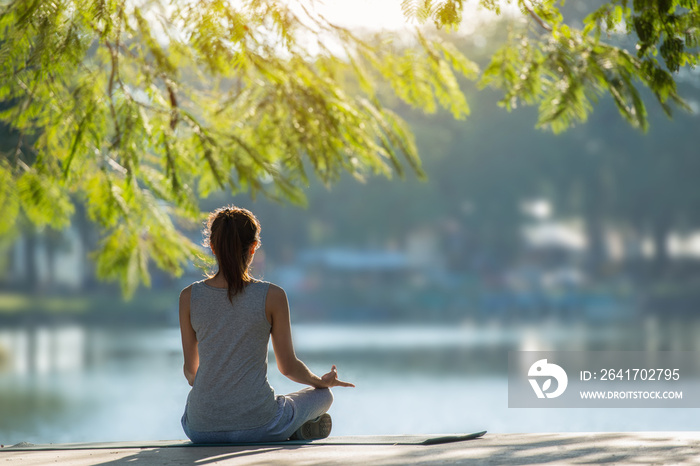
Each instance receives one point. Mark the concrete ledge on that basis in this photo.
(349, 440)
(569, 448)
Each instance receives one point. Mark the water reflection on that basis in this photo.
(43, 349)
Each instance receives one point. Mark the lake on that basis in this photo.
(77, 384)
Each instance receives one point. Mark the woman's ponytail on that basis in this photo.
(231, 231)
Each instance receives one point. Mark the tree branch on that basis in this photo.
(110, 88)
(18, 148)
(174, 117)
(539, 20)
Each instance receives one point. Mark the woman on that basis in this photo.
(226, 322)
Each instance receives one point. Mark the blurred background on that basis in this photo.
(519, 240)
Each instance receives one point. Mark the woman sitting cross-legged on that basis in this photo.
(226, 322)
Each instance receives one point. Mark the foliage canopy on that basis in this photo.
(137, 109)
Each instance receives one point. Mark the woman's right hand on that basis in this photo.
(331, 379)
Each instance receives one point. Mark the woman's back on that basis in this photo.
(230, 390)
(226, 323)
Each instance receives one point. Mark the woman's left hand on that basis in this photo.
(331, 379)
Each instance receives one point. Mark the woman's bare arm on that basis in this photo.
(277, 312)
(189, 338)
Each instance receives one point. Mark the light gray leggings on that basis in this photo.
(293, 410)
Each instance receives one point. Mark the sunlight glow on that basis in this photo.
(376, 15)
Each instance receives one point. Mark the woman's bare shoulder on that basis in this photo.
(186, 292)
(276, 295)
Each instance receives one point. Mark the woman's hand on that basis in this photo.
(331, 379)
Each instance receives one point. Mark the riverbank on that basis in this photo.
(543, 448)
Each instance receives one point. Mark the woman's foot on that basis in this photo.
(314, 429)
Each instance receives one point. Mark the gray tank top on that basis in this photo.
(230, 390)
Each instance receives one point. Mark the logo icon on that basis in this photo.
(543, 369)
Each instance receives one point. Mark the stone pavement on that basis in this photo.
(548, 448)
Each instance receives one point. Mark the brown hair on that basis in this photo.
(230, 232)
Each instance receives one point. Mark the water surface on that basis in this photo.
(75, 384)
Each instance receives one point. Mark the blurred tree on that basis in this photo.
(564, 68)
(139, 108)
